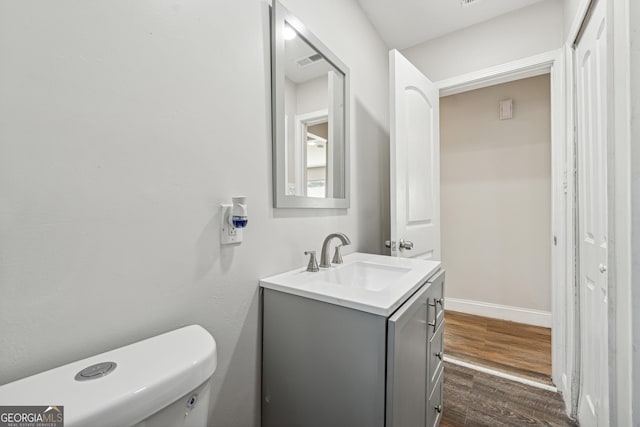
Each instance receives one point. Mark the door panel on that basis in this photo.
(415, 161)
(591, 118)
(419, 158)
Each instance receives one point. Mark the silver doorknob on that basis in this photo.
(438, 409)
(439, 355)
(602, 268)
(406, 244)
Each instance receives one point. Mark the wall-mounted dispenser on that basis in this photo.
(233, 218)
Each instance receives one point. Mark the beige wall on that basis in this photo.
(522, 33)
(496, 198)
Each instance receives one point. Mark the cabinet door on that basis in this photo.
(407, 362)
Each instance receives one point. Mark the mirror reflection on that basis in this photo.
(313, 121)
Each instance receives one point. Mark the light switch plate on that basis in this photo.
(506, 109)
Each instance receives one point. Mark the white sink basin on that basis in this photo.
(365, 275)
(376, 284)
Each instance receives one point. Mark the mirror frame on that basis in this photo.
(279, 14)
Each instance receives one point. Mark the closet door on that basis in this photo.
(591, 117)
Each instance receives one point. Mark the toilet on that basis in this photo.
(161, 381)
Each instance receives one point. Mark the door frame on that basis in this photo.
(562, 197)
(300, 148)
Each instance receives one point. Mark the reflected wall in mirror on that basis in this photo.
(310, 118)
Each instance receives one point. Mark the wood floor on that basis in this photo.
(474, 399)
(514, 348)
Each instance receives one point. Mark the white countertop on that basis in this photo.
(407, 276)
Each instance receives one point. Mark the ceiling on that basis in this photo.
(297, 49)
(405, 23)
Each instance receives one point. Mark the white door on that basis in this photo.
(591, 117)
(415, 162)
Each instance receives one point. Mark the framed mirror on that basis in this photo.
(310, 118)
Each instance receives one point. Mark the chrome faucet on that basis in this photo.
(324, 257)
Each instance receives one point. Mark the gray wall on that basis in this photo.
(123, 125)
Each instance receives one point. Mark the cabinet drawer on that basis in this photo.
(434, 405)
(435, 303)
(436, 354)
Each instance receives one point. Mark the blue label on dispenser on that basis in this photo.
(239, 221)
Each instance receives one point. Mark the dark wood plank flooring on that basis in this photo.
(510, 347)
(474, 399)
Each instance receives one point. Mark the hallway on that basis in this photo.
(513, 348)
(474, 398)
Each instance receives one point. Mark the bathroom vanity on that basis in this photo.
(359, 344)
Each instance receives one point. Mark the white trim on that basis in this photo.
(515, 70)
(501, 374)
(561, 203)
(497, 311)
(623, 404)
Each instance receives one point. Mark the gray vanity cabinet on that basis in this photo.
(328, 365)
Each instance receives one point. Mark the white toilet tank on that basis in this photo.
(161, 381)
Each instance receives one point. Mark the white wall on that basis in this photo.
(519, 34)
(496, 195)
(312, 95)
(123, 125)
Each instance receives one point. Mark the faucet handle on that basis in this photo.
(337, 256)
(313, 263)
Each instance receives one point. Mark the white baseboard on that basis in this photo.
(497, 311)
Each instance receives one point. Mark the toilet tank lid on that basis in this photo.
(150, 375)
